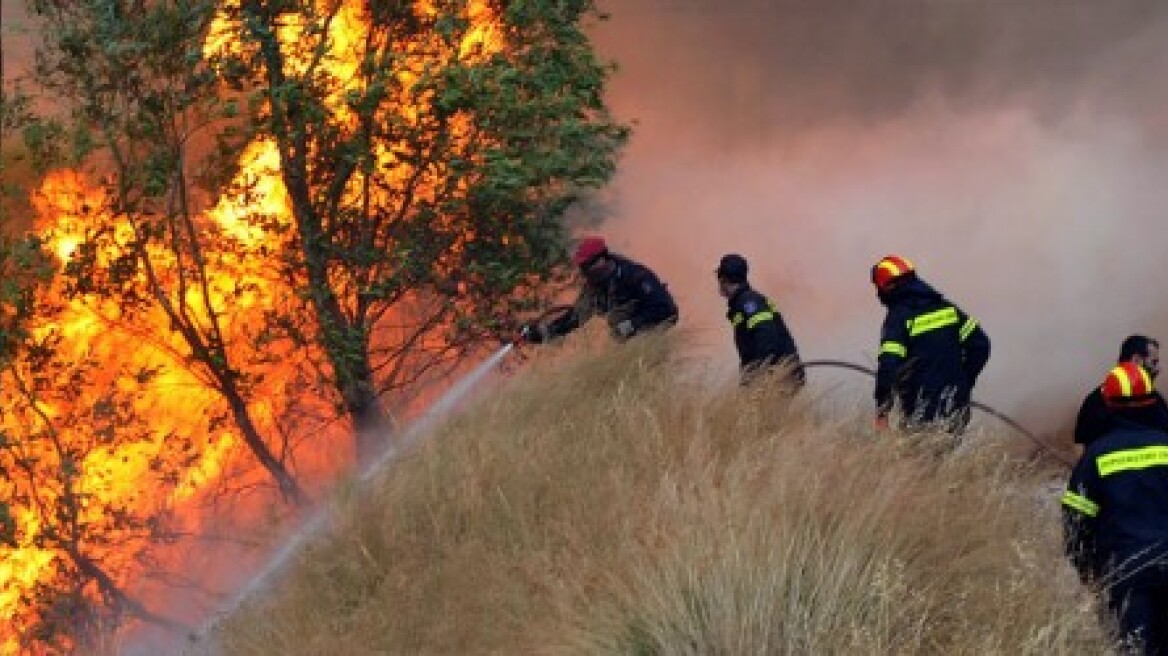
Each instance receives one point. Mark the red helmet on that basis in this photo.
(890, 271)
(1127, 385)
(588, 250)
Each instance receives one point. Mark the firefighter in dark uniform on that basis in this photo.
(760, 334)
(931, 352)
(1116, 510)
(1093, 420)
(628, 294)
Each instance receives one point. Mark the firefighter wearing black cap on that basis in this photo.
(1116, 510)
(931, 352)
(760, 334)
(627, 293)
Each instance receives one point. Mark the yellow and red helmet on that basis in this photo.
(890, 271)
(1127, 385)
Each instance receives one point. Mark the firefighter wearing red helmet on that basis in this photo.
(760, 334)
(931, 352)
(627, 293)
(1116, 510)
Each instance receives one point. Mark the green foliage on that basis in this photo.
(427, 182)
(437, 195)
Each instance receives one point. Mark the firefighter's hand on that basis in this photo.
(625, 329)
(530, 333)
(881, 423)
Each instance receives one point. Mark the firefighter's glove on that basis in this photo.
(531, 333)
(625, 329)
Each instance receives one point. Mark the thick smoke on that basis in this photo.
(1015, 150)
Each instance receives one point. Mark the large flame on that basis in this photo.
(139, 469)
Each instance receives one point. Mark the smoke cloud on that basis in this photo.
(1015, 150)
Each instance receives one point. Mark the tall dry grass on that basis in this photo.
(610, 503)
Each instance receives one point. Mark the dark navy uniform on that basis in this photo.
(931, 354)
(1116, 512)
(633, 293)
(761, 336)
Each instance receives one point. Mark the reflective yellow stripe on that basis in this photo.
(737, 319)
(1132, 459)
(1147, 379)
(967, 328)
(759, 318)
(891, 267)
(895, 348)
(932, 321)
(1080, 503)
(1124, 381)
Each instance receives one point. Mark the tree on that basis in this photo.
(426, 153)
(64, 543)
(429, 151)
(149, 118)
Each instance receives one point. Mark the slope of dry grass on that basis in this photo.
(607, 503)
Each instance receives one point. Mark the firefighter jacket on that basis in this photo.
(1116, 504)
(1094, 420)
(632, 293)
(931, 353)
(760, 334)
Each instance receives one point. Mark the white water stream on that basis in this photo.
(316, 523)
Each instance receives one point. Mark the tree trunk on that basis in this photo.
(370, 429)
(344, 339)
(289, 488)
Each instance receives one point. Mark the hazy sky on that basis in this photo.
(1017, 151)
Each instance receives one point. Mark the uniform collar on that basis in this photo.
(736, 296)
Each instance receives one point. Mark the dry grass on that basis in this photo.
(610, 505)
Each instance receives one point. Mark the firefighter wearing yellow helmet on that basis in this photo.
(1116, 510)
(931, 352)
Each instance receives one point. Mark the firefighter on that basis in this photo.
(931, 352)
(628, 294)
(760, 334)
(1116, 510)
(1092, 420)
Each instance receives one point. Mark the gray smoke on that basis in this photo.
(1015, 150)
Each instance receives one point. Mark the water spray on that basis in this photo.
(317, 522)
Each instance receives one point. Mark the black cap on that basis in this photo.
(732, 268)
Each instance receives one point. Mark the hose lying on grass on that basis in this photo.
(1046, 450)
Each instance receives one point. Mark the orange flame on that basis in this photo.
(176, 401)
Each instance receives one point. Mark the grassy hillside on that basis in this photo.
(605, 503)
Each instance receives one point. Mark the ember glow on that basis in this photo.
(118, 425)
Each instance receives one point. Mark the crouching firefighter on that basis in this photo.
(1116, 510)
(628, 294)
(760, 335)
(931, 352)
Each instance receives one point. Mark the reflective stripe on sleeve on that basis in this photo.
(967, 328)
(1080, 503)
(893, 348)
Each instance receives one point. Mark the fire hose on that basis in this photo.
(1044, 448)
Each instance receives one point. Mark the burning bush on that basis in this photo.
(281, 215)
